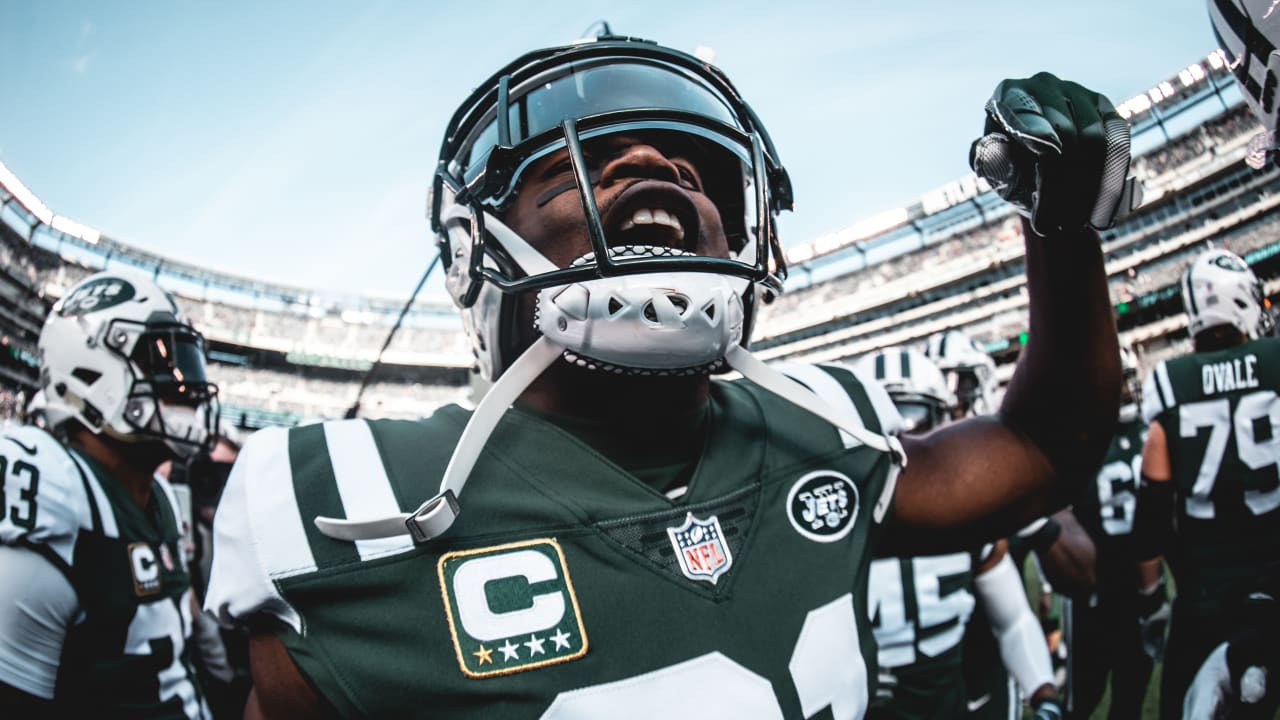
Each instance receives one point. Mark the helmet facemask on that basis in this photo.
(565, 102)
(622, 301)
(118, 358)
(170, 398)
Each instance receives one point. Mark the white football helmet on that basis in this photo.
(119, 357)
(970, 372)
(1248, 32)
(916, 386)
(1218, 288)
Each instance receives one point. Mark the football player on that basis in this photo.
(920, 606)
(1062, 549)
(1209, 498)
(95, 600)
(1104, 636)
(613, 533)
(969, 370)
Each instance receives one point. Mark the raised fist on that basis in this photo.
(1059, 152)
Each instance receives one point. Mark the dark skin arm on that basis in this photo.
(290, 695)
(1069, 563)
(983, 478)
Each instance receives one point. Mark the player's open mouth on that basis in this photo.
(654, 213)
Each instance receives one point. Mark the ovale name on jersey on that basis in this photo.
(1234, 374)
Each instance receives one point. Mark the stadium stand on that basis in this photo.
(284, 355)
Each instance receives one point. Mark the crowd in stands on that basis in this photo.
(351, 336)
(13, 403)
(327, 335)
(307, 397)
(1202, 140)
(975, 247)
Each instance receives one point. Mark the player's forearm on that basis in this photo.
(1065, 392)
(1149, 573)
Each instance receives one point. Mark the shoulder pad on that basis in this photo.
(854, 394)
(49, 495)
(260, 485)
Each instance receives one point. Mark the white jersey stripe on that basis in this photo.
(273, 509)
(363, 484)
(830, 390)
(106, 513)
(1166, 388)
(258, 534)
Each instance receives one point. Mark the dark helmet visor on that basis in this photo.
(171, 359)
(591, 88)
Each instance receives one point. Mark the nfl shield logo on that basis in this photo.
(700, 548)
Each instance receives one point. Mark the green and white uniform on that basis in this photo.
(1221, 418)
(100, 618)
(919, 609)
(567, 588)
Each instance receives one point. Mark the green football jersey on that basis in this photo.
(919, 608)
(1105, 508)
(1221, 418)
(568, 588)
(126, 654)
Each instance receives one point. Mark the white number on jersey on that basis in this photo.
(826, 667)
(160, 629)
(1261, 406)
(1117, 494)
(902, 639)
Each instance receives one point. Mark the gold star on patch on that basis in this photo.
(484, 655)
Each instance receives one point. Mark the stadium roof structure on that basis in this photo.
(939, 213)
(23, 210)
(1155, 116)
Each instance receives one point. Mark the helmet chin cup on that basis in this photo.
(651, 323)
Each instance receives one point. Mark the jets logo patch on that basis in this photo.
(145, 568)
(700, 548)
(96, 295)
(822, 505)
(511, 608)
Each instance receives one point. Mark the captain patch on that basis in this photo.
(822, 505)
(511, 608)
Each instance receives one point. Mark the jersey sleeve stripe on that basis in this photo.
(258, 535)
(362, 483)
(833, 392)
(272, 508)
(1166, 388)
(95, 516)
(98, 497)
(311, 464)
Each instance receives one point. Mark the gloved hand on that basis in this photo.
(1153, 617)
(1218, 687)
(1059, 152)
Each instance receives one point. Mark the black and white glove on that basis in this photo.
(1059, 152)
(1153, 618)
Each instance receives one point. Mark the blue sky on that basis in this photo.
(293, 141)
